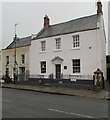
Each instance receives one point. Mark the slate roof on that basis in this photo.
(76, 25)
(21, 42)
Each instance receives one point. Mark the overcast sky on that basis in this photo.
(30, 16)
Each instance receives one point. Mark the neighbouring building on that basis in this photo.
(72, 48)
(0, 64)
(20, 49)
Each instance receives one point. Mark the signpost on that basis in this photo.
(15, 62)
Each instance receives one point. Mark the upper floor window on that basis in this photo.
(76, 42)
(43, 45)
(22, 58)
(58, 43)
(43, 67)
(7, 59)
(76, 65)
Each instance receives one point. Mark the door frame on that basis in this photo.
(21, 68)
(57, 75)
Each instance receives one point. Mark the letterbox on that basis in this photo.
(98, 78)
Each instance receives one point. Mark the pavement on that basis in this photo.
(102, 94)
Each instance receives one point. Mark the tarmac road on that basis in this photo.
(29, 104)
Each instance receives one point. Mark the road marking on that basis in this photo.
(80, 115)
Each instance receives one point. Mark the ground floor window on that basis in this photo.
(76, 65)
(43, 67)
(7, 71)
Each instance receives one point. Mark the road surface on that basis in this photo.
(29, 104)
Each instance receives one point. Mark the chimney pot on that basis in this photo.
(99, 7)
(46, 21)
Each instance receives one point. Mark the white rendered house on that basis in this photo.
(0, 64)
(76, 47)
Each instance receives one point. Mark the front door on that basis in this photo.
(58, 71)
(22, 70)
(21, 73)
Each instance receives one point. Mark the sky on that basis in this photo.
(30, 14)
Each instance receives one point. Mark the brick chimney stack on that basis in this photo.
(46, 21)
(99, 7)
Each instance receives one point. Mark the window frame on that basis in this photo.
(7, 60)
(43, 69)
(76, 67)
(23, 59)
(58, 43)
(7, 71)
(76, 41)
(43, 46)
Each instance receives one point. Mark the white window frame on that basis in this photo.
(7, 60)
(58, 43)
(76, 41)
(23, 58)
(43, 46)
(43, 67)
(76, 66)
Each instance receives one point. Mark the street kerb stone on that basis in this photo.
(60, 90)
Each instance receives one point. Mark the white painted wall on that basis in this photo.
(91, 59)
(87, 56)
(103, 47)
(0, 63)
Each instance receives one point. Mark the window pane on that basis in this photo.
(76, 41)
(43, 67)
(7, 59)
(23, 58)
(43, 45)
(76, 66)
(7, 71)
(58, 43)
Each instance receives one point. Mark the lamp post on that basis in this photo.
(15, 62)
